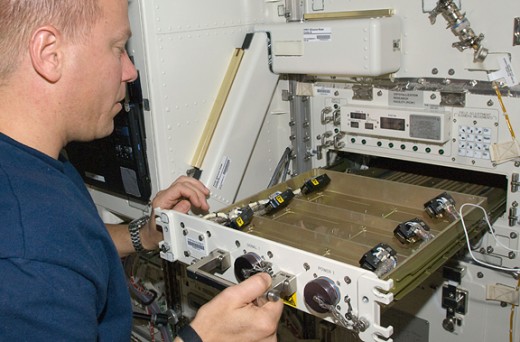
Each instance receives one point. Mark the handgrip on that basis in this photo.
(204, 269)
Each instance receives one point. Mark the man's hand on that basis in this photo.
(185, 193)
(182, 195)
(233, 315)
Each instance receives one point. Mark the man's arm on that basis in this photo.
(234, 315)
(182, 195)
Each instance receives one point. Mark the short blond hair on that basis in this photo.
(20, 18)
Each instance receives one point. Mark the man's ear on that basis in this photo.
(46, 54)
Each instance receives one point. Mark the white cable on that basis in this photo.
(515, 270)
(491, 230)
(215, 215)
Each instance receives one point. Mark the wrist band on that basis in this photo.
(134, 228)
(188, 334)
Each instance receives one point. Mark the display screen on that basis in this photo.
(393, 123)
(356, 115)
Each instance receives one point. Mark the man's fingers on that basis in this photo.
(184, 188)
(250, 289)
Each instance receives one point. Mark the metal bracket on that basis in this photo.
(324, 117)
(204, 269)
(455, 301)
(515, 183)
(284, 284)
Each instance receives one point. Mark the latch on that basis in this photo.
(516, 31)
(454, 299)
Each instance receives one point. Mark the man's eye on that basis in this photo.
(121, 50)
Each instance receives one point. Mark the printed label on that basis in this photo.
(291, 301)
(406, 99)
(323, 91)
(506, 72)
(318, 34)
(196, 245)
(222, 172)
(325, 270)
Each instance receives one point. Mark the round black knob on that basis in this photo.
(247, 265)
(321, 291)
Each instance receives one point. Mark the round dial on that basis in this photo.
(320, 293)
(247, 265)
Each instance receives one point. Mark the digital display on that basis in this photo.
(425, 126)
(392, 123)
(356, 115)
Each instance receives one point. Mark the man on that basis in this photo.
(63, 70)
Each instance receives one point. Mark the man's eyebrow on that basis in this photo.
(123, 35)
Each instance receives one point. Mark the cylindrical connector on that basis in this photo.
(385, 266)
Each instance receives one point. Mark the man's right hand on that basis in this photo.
(234, 314)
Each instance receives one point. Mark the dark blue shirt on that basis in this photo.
(61, 278)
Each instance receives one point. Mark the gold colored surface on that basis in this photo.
(354, 213)
(350, 14)
(218, 106)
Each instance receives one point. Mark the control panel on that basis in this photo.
(220, 256)
(415, 125)
(403, 124)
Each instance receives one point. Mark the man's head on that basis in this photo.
(19, 18)
(67, 70)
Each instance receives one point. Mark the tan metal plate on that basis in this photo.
(354, 213)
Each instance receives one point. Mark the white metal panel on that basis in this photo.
(270, 145)
(239, 124)
(365, 47)
(188, 238)
(188, 48)
(426, 47)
